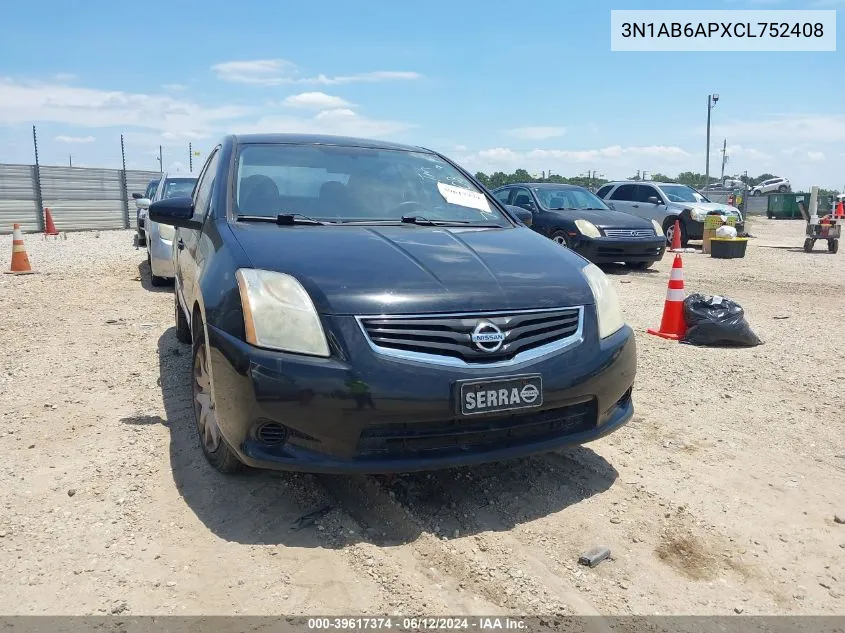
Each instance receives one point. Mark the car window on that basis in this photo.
(344, 183)
(178, 187)
(624, 192)
(569, 198)
(151, 190)
(601, 193)
(643, 192)
(202, 192)
(682, 193)
(504, 195)
(521, 197)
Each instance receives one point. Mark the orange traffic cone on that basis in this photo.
(676, 236)
(20, 261)
(49, 226)
(673, 326)
(839, 214)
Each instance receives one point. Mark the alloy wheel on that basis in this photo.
(204, 411)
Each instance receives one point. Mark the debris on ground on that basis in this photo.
(594, 556)
(307, 520)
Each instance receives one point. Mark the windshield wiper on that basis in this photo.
(420, 220)
(283, 219)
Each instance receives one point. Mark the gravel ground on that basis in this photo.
(718, 498)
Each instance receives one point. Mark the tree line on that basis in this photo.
(689, 178)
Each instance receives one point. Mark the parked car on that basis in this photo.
(665, 203)
(780, 185)
(574, 217)
(159, 237)
(362, 306)
(142, 202)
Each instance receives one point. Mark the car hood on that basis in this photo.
(609, 219)
(711, 206)
(411, 269)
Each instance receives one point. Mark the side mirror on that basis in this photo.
(177, 212)
(137, 196)
(654, 200)
(525, 216)
(142, 203)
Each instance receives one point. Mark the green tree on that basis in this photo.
(483, 178)
(691, 179)
(658, 177)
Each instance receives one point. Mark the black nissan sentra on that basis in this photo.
(361, 306)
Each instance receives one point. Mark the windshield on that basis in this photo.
(569, 198)
(178, 187)
(349, 184)
(682, 193)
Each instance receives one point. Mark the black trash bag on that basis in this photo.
(716, 321)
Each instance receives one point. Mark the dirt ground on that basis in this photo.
(718, 498)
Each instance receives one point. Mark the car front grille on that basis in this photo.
(461, 435)
(449, 336)
(630, 233)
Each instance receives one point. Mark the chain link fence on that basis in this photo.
(79, 198)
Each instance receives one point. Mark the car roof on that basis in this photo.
(324, 139)
(177, 174)
(641, 182)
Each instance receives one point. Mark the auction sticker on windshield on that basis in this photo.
(463, 197)
(500, 394)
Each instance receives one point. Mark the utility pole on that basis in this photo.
(724, 158)
(711, 103)
(160, 161)
(190, 158)
(70, 160)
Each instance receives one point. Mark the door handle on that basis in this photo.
(636, 206)
(180, 244)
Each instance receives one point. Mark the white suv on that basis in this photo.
(781, 185)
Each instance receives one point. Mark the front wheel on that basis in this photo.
(669, 231)
(214, 447)
(756, 193)
(783, 189)
(560, 238)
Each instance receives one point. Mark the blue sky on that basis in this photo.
(495, 85)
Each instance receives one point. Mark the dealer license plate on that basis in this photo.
(500, 394)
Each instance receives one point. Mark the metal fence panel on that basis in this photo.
(136, 182)
(17, 198)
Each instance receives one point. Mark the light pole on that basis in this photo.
(711, 103)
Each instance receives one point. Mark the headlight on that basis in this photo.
(657, 228)
(607, 302)
(279, 314)
(698, 215)
(166, 231)
(588, 229)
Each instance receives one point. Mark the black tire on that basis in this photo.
(155, 280)
(183, 328)
(669, 227)
(757, 192)
(833, 246)
(808, 244)
(640, 265)
(141, 239)
(783, 189)
(560, 237)
(211, 441)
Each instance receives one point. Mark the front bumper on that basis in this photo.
(161, 255)
(406, 421)
(607, 250)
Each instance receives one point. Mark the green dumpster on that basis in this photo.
(785, 205)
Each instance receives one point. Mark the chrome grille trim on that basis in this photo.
(630, 233)
(433, 358)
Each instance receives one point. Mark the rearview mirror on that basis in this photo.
(175, 212)
(654, 200)
(136, 196)
(142, 203)
(525, 216)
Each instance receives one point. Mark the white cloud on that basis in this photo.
(794, 128)
(75, 139)
(64, 77)
(27, 102)
(615, 152)
(537, 133)
(341, 121)
(316, 101)
(275, 72)
(738, 153)
(174, 87)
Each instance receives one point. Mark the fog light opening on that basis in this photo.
(271, 433)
